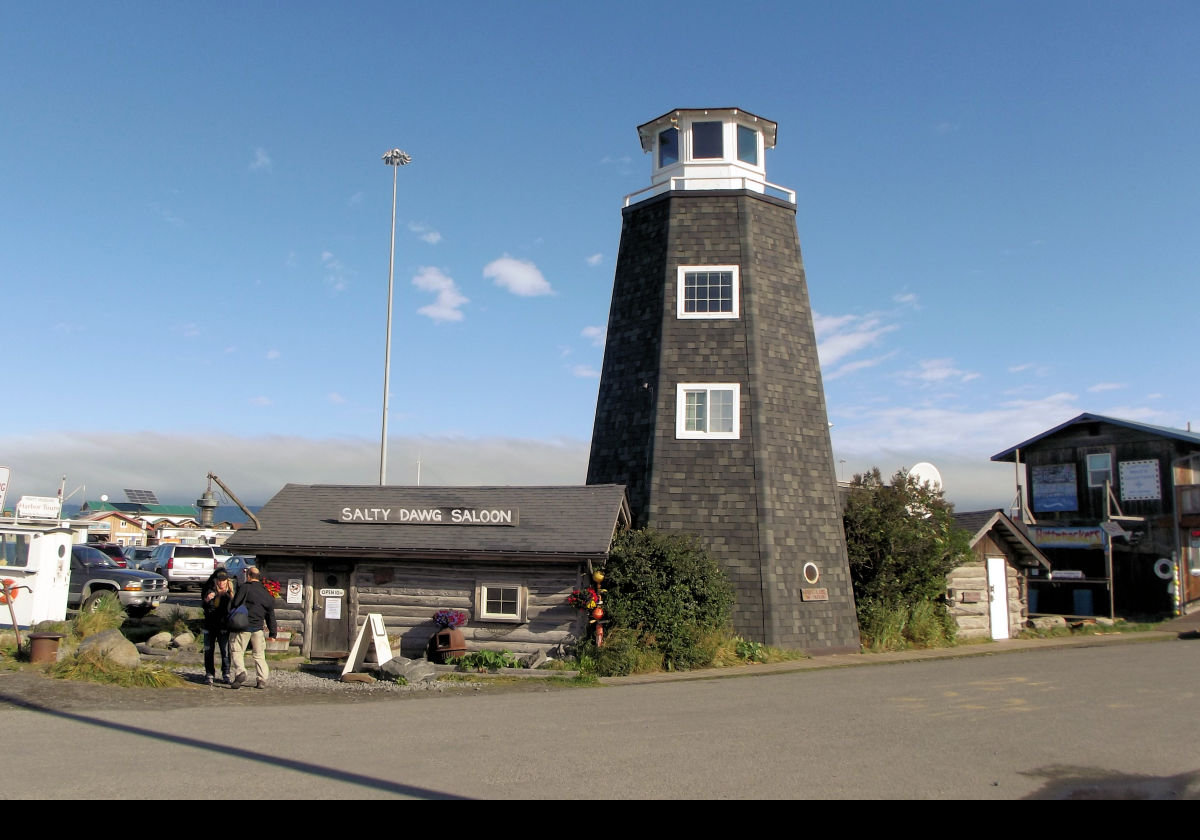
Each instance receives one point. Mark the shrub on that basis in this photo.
(670, 591)
(108, 615)
(92, 666)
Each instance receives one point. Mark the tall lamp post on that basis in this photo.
(395, 159)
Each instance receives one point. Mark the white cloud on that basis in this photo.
(449, 302)
(355, 199)
(260, 400)
(585, 372)
(189, 330)
(839, 336)
(905, 299)
(1105, 386)
(425, 232)
(336, 398)
(335, 272)
(273, 354)
(261, 160)
(945, 127)
(594, 259)
(936, 371)
(596, 335)
(520, 277)
(854, 367)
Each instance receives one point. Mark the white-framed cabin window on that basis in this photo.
(1099, 469)
(704, 410)
(506, 602)
(707, 291)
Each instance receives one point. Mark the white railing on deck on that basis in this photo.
(681, 183)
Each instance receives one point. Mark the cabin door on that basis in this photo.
(331, 618)
(997, 575)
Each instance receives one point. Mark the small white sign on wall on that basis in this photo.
(295, 591)
(1139, 481)
(333, 608)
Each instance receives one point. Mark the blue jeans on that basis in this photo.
(212, 640)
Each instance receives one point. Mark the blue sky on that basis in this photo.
(998, 207)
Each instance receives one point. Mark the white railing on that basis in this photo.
(722, 183)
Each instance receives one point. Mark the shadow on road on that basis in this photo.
(272, 761)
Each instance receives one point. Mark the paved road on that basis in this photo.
(1104, 721)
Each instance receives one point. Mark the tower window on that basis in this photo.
(707, 411)
(747, 142)
(708, 140)
(1099, 469)
(707, 291)
(668, 147)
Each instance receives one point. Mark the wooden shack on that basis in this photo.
(989, 596)
(508, 557)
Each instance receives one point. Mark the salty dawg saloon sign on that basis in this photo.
(428, 516)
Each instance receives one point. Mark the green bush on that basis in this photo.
(670, 591)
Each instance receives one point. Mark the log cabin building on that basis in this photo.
(506, 556)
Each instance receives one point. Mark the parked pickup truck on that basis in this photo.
(95, 577)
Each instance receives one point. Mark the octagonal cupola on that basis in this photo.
(708, 149)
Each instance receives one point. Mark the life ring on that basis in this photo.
(1164, 568)
(7, 594)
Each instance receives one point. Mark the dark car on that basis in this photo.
(138, 557)
(96, 577)
(116, 552)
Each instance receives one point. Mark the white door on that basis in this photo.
(997, 575)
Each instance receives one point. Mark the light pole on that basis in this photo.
(395, 159)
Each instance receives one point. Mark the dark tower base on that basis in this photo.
(764, 502)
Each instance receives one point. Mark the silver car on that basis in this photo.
(184, 565)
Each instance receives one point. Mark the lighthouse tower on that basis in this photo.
(711, 409)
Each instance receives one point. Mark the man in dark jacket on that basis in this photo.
(260, 608)
(215, 597)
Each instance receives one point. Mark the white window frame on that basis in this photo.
(481, 599)
(680, 287)
(681, 392)
(1087, 460)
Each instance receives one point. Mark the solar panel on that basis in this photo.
(141, 497)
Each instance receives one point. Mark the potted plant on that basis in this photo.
(449, 641)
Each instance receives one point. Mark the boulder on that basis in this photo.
(413, 670)
(355, 676)
(159, 640)
(112, 644)
(183, 640)
(1047, 622)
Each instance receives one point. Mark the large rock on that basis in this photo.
(413, 670)
(112, 644)
(159, 640)
(183, 640)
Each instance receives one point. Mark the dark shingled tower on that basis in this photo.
(711, 409)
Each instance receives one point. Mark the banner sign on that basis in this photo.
(429, 516)
(1083, 536)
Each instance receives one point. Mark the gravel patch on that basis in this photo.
(310, 682)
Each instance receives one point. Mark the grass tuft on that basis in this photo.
(92, 666)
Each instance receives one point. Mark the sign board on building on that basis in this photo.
(1051, 536)
(1139, 481)
(428, 516)
(39, 507)
(5, 474)
(815, 594)
(1054, 488)
(295, 591)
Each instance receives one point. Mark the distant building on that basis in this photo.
(1103, 491)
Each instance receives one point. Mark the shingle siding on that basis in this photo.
(766, 502)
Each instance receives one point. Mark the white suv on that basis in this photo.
(187, 564)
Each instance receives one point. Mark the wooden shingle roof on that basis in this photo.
(568, 521)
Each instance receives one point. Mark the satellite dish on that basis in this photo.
(926, 473)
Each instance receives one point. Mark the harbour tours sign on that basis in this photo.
(428, 516)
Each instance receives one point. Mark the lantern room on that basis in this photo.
(708, 149)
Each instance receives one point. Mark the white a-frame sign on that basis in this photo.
(378, 639)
